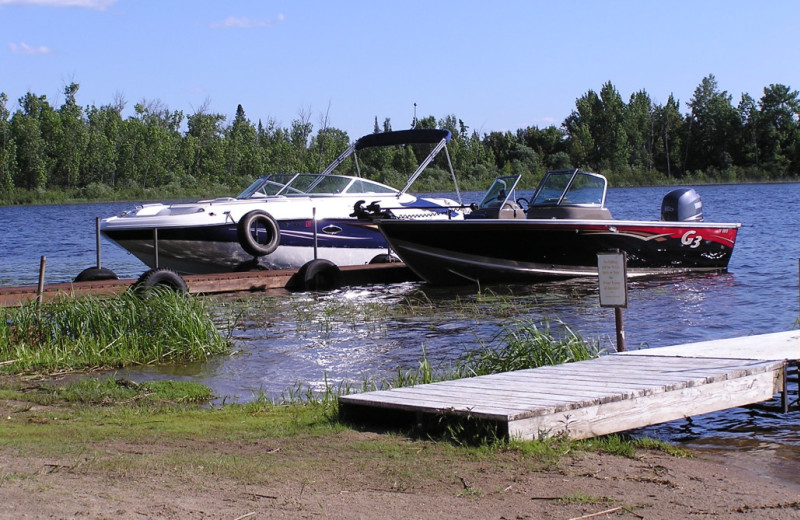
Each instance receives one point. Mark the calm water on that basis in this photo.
(307, 340)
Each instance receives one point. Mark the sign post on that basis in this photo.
(612, 275)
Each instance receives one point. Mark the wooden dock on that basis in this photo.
(606, 395)
(252, 281)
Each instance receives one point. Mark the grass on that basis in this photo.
(92, 333)
(87, 333)
(129, 430)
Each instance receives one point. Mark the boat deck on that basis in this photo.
(609, 394)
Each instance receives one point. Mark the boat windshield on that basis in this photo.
(308, 184)
(499, 192)
(570, 187)
(267, 186)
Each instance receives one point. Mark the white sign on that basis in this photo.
(612, 274)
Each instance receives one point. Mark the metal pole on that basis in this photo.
(97, 235)
(155, 248)
(314, 223)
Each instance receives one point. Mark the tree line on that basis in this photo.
(95, 153)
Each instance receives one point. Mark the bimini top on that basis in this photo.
(435, 136)
(423, 136)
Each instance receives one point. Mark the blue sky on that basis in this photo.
(498, 66)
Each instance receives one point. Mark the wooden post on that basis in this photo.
(40, 289)
(612, 277)
(620, 329)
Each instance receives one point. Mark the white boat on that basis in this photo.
(283, 221)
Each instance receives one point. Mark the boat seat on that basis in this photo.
(569, 212)
(510, 210)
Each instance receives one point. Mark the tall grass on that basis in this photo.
(89, 333)
(524, 344)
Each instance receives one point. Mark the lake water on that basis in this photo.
(308, 339)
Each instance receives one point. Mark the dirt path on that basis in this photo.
(327, 480)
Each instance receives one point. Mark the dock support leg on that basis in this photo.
(784, 395)
(155, 248)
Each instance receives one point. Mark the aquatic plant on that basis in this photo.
(88, 333)
(524, 344)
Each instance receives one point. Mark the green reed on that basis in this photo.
(525, 344)
(88, 333)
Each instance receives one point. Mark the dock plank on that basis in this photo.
(626, 414)
(605, 395)
(773, 346)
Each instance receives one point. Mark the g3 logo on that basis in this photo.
(691, 239)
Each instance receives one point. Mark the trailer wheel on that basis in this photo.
(258, 233)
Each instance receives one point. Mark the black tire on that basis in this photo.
(385, 258)
(251, 226)
(96, 274)
(160, 278)
(317, 275)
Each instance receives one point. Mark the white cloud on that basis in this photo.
(240, 22)
(99, 5)
(24, 48)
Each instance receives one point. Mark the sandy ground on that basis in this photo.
(329, 483)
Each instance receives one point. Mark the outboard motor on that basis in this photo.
(683, 205)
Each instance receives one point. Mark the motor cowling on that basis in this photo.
(682, 204)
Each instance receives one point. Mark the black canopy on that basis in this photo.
(424, 136)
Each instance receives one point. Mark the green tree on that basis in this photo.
(70, 141)
(241, 148)
(713, 127)
(582, 126)
(154, 138)
(328, 144)
(285, 157)
(8, 149)
(614, 147)
(203, 147)
(667, 146)
(501, 145)
(778, 129)
(749, 154)
(549, 143)
(640, 129)
(28, 129)
(103, 145)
